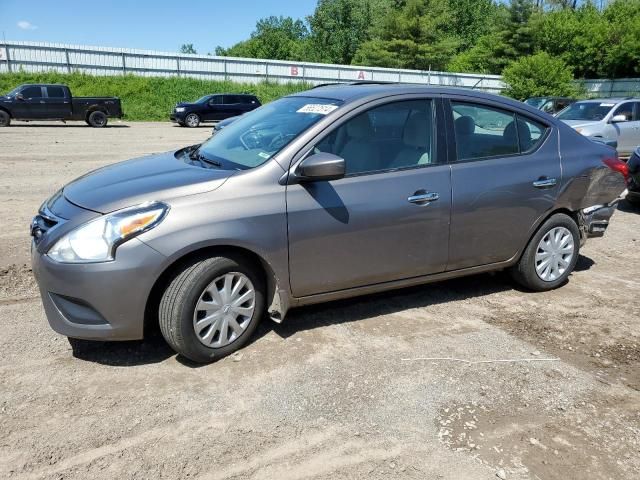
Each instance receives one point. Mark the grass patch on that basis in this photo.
(148, 98)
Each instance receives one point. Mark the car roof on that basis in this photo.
(350, 92)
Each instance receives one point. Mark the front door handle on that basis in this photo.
(545, 182)
(422, 197)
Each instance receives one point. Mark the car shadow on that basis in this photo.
(628, 207)
(154, 349)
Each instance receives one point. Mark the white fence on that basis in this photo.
(621, 87)
(42, 57)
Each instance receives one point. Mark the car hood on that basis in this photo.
(580, 123)
(154, 177)
(185, 104)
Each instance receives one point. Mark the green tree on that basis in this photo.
(537, 76)
(188, 48)
(278, 38)
(339, 27)
(414, 35)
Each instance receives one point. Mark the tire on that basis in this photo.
(5, 119)
(559, 232)
(97, 119)
(192, 120)
(190, 288)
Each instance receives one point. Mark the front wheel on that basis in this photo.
(550, 256)
(212, 307)
(5, 119)
(192, 120)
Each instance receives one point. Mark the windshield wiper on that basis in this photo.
(196, 155)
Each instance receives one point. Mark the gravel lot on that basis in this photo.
(343, 390)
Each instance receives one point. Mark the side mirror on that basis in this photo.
(320, 166)
(19, 96)
(619, 118)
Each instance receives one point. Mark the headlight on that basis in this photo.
(179, 109)
(579, 130)
(96, 241)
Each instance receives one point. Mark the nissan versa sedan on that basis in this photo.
(334, 192)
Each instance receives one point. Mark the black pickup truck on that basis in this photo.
(54, 102)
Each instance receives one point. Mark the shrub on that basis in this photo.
(538, 75)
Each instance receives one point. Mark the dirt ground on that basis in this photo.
(401, 385)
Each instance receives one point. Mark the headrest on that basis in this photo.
(524, 134)
(359, 127)
(464, 125)
(417, 130)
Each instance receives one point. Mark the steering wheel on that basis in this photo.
(249, 138)
(279, 141)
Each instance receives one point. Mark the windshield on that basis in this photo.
(13, 92)
(203, 99)
(256, 136)
(535, 102)
(590, 111)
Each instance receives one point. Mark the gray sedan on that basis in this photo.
(331, 193)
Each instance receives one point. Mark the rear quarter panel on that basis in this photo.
(586, 180)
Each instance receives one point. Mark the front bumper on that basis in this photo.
(595, 220)
(99, 301)
(177, 117)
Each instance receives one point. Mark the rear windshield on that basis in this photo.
(256, 136)
(590, 111)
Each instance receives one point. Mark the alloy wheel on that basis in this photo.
(192, 120)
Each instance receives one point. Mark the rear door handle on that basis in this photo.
(545, 182)
(421, 197)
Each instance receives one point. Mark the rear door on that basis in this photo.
(388, 218)
(503, 179)
(232, 106)
(57, 103)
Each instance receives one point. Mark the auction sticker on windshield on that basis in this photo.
(317, 108)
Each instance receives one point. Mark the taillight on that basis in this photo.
(617, 165)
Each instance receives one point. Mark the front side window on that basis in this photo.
(215, 100)
(392, 136)
(31, 92)
(255, 137)
(482, 131)
(625, 109)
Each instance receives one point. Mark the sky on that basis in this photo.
(145, 24)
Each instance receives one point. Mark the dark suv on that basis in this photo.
(211, 108)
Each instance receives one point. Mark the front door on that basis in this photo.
(388, 219)
(31, 105)
(505, 175)
(629, 131)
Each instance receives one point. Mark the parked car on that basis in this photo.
(55, 102)
(633, 168)
(551, 105)
(326, 194)
(607, 118)
(212, 108)
(222, 123)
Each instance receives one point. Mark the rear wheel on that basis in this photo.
(192, 120)
(97, 119)
(550, 256)
(212, 307)
(5, 119)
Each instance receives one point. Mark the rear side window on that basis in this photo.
(248, 100)
(55, 92)
(32, 92)
(232, 99)
(482, 132)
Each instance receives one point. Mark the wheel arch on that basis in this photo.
(153, 299)
(8, 112)
(570, 213)
(95, 108)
